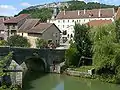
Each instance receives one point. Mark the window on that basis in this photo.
(72, 20)
(13, 27)
(63, 26)
(68, 35)
(8, 27)
(63, 21)
(68, 20)
(65, 32)
(58, 21)
(56, 35)
(79, 20)
(71, 36)
(22, 34)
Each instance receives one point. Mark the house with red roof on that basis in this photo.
(12, 25)
(33, 29)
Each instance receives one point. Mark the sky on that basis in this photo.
(12, 7)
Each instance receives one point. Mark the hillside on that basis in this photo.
(45, 11)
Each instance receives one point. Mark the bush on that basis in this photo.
(41, 43)
(3, 43)
(18, 41)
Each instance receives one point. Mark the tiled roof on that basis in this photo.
(94, 13)
(29, 23)
(40, 28)
(34, 26)
(118, 14)
(99, 22)
(17, 19)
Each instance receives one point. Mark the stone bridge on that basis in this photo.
(35, 59)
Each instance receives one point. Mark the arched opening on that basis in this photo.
(35, 64)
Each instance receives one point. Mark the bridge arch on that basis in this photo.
(36, 64)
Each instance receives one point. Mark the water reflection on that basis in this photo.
(38, 81)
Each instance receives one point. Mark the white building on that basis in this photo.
(65, 20)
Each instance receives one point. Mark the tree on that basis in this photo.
(41, 43)
(72, 56)
(82, 40)
(43, 14)
(106, 52)
(18, 41)
(117, 23)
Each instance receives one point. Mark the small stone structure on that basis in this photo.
(16, 73)
(78, 73)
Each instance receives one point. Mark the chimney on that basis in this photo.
(84, 11)
(64, 12)
(99, 13)
(78, 12)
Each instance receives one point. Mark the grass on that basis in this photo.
(84, 68)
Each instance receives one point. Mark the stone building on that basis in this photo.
(12, 25)
(33, 29)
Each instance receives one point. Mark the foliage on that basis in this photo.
(41, 43)
(3, 43)
(80, 5)
(117, 23)
(4, 61)
(18, 41)
(43, 14)
(72, 56)
(84, 68)
(82, 41)
(106, 49)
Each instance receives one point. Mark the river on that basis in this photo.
(38, 81)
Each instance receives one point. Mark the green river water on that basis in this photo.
(38, 81)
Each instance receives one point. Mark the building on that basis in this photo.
(2, 27)
(65, 20)
(12, 25)
(33, 29)
(96, 23)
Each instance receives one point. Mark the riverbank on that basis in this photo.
(90, 74)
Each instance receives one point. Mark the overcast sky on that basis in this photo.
(12, 7)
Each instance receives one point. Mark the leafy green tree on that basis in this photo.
(18, 41)
(82, 41)
(117, 23)
(72, 56)
(41, 43)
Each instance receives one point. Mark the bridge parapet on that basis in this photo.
(20, 55)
